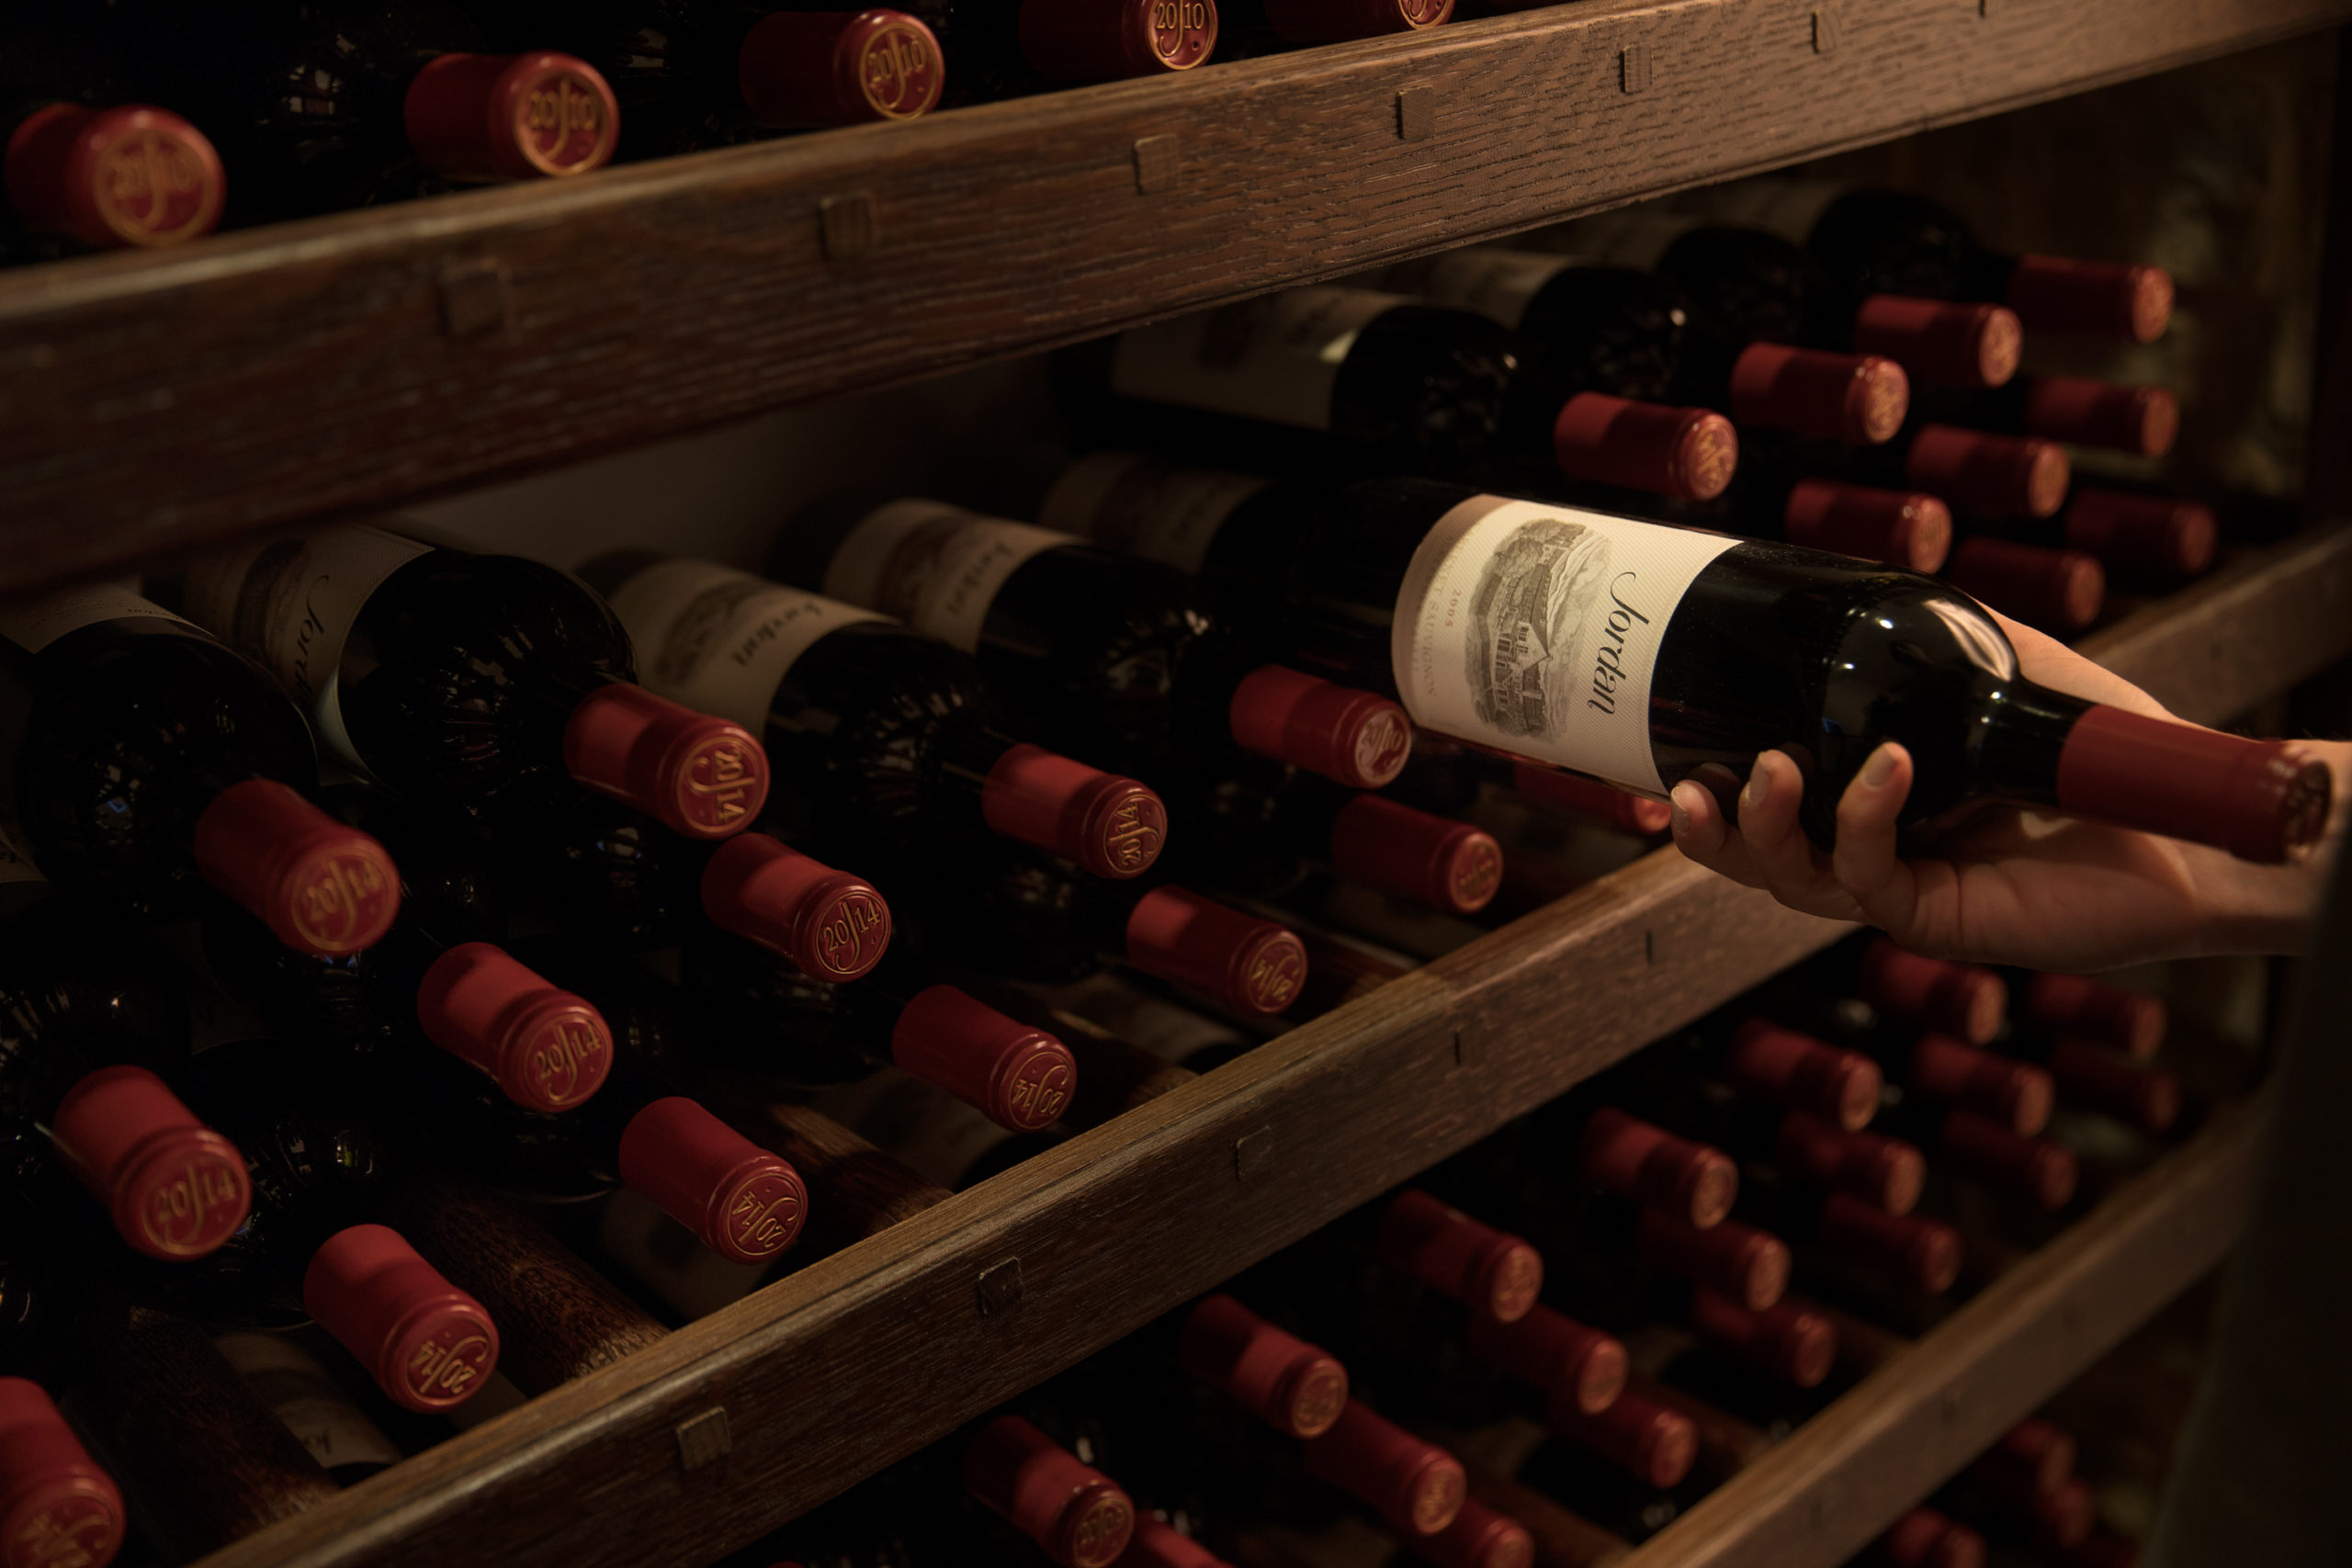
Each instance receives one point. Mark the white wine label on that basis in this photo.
(290, 602)
(1789, 207)
(1535, 629)
(1496, 284)
(930, 1132)
(1142, 507)
(933, 566)
(35, 625)
(302, 1394)
(670, 1259)
(719, 640)
(16, 862)
(1276, 358)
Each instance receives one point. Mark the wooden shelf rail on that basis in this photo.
(1820, 1496)
(153, 403)
(746, 1417)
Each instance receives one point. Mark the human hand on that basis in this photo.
(2008, 886)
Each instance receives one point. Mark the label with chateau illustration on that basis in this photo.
(1535, 629)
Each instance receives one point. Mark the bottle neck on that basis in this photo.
(2026, 729)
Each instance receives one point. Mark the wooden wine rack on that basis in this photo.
(151, 403)
(746, 1417)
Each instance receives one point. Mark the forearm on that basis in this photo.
(2269, 909)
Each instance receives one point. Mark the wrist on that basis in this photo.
(2248, 909)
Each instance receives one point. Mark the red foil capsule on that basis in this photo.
(1636, 1159)
(1861, 399)
(1993, 476)
(829, 924)
(173, 1188)
(2142, 421)
(2063, 1518)
(2034, 1169)
(1478, 1537)
(1335, 22)
(1017, 1075)
(741, 1200)
(1623, 810)
(545, 1049)
(2265, 801)
(1688, 454)
(2059, 294)
(1966, 999)
(511, 116)
(429, 1346)
(1112, 826)
(2017, 1095)
(2058, 591)
(697, 774)
(802, 70)
(1910, 1251)
(1960, 346)
(1078, 1515)
(1448, 865)
(1248, 964)
(128, 176)
(1357, 738)
(1798, 1073)
(1494, 1274)
(1787, 1340)
(1653, 1444)
(1416, 1486)
(58, 1509)
(1293, 1386)
(1088, 40)
(2160, 535)
(2078, 1006)
(1747, 1265)
(1886, 1173)
(1581, 1367)
(1925, 1539)
(320, 885)
(1905, 528)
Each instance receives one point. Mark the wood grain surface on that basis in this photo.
(864, 1356)
(1847, 1474)
(153, 403)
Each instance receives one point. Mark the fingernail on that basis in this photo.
(1679, 822)
(1758, 790)
(1879, 768)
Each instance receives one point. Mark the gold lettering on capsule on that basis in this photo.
(441, 1373)
(718, 782)
(1137, 827)
(341, 900)
(765, 1216)
(178, 1213)
(71, 1535)
(1040, 1090)
(840, 941)
(558, 1058)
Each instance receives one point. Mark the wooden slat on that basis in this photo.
(863, 1357)
(1847, 1474)
(156, 402)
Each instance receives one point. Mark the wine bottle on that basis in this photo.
(145, 756)
(87, 165)
(1269, 836)
(872, 724)
(1794, 1144)
(747, 1011)
(2054, 1007)
(688, 75)
(1975, 473)
(1662, 680)
(2094, 1078)
(2060, 590)
(2033, 1170)
(320, 106)
(2167, 538)
(1908, 528)
(1936, 1069)
(1381, 378)
(1637, 334)
(1748, 284)
(1911, 1252)
(2142, 421)
(1077, 1515)
(1093, 653)
(58, 1505)
(1753, 1060)
(1873, 995)
(1897, 243)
